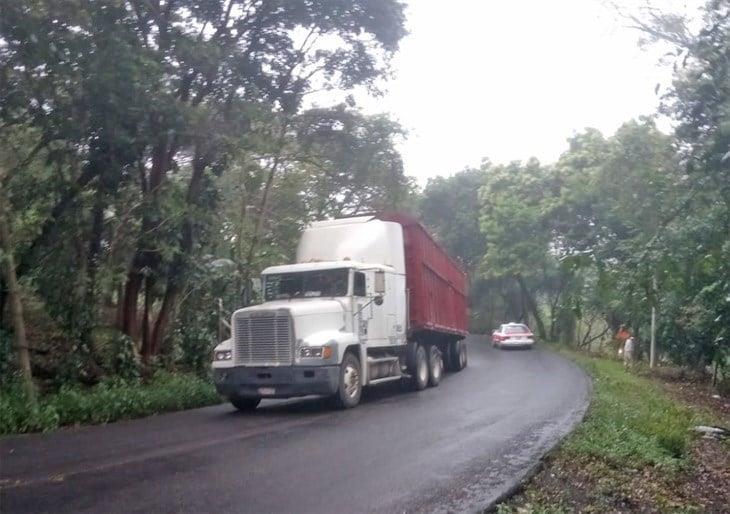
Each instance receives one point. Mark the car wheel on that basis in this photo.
(350, 387)
(435, 365)
(419, 373)
(245, 404)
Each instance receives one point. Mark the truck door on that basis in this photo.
(381, 325)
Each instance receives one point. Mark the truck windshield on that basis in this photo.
(304, 284)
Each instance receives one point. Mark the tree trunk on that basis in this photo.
(16, 307)
(149, 299)
(265, 201)
(176, 273)
(162, 155)
(92, 264)
(165, 316)
(119, 306)
(129, 303)
(532, 306)
(260, 221)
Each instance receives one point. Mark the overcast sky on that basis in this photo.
(509, 80)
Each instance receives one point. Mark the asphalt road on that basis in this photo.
(452, 448)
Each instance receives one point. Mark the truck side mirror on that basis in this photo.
(379, 284)
(378, 300)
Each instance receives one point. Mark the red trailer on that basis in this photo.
(436, 283)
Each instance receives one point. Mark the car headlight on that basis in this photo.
(223, 355)
(315, 352)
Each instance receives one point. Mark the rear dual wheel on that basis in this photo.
(427, 366)
(419, 368)
(435, 365)
(456, 356)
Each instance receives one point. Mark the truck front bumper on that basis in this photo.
(276, 382)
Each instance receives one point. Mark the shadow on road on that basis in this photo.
(313, 405)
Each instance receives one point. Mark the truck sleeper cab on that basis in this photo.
(335, 321)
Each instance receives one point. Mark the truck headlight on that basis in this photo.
(315, 352)
(223, 355)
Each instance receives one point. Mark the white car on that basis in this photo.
(513, 335)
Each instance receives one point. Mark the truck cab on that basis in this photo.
(331, 323)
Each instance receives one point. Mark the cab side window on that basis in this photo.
(359, 285)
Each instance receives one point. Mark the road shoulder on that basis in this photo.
(633, 452)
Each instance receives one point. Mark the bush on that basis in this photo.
(108, 401)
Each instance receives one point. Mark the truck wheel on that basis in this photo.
(463, 357)
(457, 356)
(350, 388)
(420, 369)
(245, 404)
(452, 356)
(435, 365)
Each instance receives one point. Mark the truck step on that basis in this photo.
(384, 379)
(380, 360)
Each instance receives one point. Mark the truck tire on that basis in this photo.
(457, 356)
(419, 370)
(350, 388)
(245, 404)
(435, 365)
(463, 355)
(452, 356)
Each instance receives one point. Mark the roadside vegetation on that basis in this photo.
(635, 451)
(110, 400)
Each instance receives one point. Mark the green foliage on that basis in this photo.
(137, 147)
(194, 343)
(124, 359)
(108, 401)
(7, 358)
(450, 206)
(631, 422)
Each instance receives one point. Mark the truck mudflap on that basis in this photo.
(276, 382)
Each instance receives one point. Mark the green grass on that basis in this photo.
(631, 421)
(103, 403)
(634, 445)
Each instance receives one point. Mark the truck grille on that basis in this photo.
(263, 338)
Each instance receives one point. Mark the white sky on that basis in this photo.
(512, 79)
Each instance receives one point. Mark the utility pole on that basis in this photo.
(652, 348)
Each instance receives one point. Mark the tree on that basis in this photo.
(516, 202)
(161, 96)
(16, 305)
(351, 161)
(450, 206)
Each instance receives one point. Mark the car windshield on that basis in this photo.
(515, 329)
(305, 284)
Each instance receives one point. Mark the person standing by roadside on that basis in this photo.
(621, 336)
(628, 352)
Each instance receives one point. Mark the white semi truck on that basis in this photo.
(370, 299)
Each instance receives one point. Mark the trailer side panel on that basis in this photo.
(437, 286)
